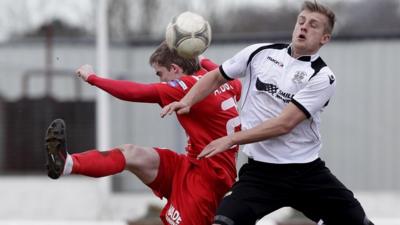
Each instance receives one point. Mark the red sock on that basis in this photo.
(94, 163)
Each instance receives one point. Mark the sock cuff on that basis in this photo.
(69, 163)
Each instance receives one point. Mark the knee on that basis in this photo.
(232, 211)
(133, 154)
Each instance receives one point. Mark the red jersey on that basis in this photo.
(184, 179)
(214, 117)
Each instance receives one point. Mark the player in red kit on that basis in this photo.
(192, 187)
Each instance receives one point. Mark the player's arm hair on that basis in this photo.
(127, 90)
(205, 86)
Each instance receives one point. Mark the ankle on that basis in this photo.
(69, 164)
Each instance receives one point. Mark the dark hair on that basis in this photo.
(316, 7)
(164, 56)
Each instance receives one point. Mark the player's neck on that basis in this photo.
(297, 53)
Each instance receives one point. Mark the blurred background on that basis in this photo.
(42, 43)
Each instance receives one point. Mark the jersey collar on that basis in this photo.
(305, 58)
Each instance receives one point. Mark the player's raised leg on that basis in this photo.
(142, 161)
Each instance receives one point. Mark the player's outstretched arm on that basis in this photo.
(122, 89)
(205, 86)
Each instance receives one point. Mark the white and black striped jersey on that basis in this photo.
(272, 79)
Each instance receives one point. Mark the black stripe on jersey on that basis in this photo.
(221, 70)
(301, 107)
(272, 46)
(317, 65)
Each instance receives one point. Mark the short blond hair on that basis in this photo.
(319, 8)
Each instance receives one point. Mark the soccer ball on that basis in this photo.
(189, 34)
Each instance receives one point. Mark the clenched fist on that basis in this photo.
(84, 71)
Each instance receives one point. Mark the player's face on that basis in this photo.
(309, 34)
(166, 74)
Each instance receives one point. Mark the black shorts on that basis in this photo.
(310, 188)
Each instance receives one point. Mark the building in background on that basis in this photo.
(37, 84)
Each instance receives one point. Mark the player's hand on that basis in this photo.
(216, 146)
(178, 107)
(84, 71)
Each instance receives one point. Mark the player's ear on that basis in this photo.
(175, 68)
(325, 38)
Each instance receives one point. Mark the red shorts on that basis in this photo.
(193, 188)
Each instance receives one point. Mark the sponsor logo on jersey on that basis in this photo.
(331, 79)
(276, 62)
(231, 61)
(274, 91)
(182, 84)
(298, 77)
(173, 216)
(175, 83)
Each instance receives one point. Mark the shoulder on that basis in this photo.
(260, 46)
(327, 74)
(267, 46)
(254, 50)
(183, 83)
(245, 56)
(322, 71)
(179, 84)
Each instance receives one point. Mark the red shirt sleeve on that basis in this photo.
(238, 88)
(127, 90)
(208, 65)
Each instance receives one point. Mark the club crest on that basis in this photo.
(298, 77)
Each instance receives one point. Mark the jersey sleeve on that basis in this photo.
(237, 84)
(316, 94)
(236, 66)
(127, 90)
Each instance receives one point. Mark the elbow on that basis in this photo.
(286, 128)
(287, 123)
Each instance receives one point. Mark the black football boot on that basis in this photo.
(56, 148)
